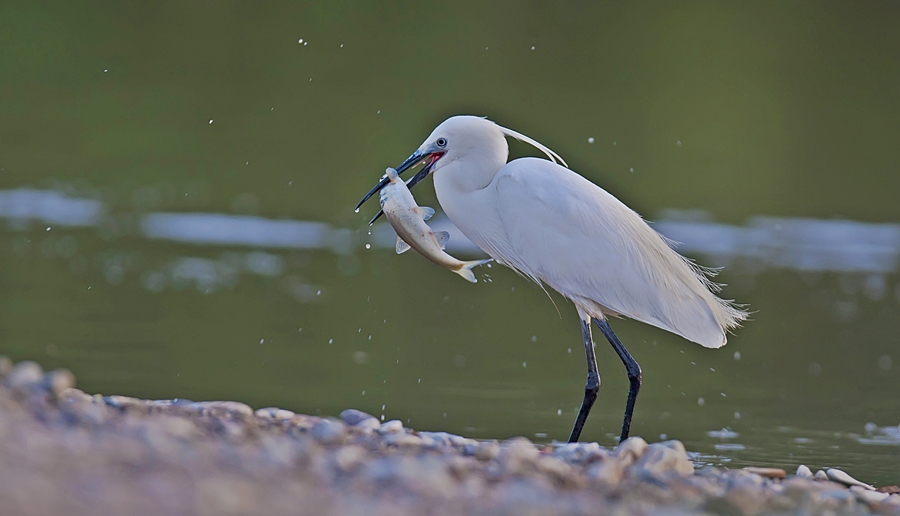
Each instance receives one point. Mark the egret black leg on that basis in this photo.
(592, 387)
(634, 374)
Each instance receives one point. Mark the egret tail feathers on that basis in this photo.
(466, 270)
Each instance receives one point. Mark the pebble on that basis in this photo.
(869, 496)
(889, 489)
(360, 419)
(631, 449)
(390, 427)
(517, 455)
(24, 374)
(820, 475)
(487, 450)
(768, 472)
(663, 458)
(59, 380)
(804, 472)
(839, 476)
(328, 431)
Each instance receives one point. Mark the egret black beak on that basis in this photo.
(408, 163)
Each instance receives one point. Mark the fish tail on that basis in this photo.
(466, 270)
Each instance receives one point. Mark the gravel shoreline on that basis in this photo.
(63, 451)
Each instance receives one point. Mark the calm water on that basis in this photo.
(177, 184)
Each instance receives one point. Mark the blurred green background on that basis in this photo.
(292, 110)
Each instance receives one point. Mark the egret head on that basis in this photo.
(480, 141)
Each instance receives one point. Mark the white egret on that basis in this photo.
(557, 228)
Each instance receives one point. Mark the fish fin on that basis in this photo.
(466, 270)
(442, 237)
(402, 246)
(426, 212)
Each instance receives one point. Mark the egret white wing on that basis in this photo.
(589, 246)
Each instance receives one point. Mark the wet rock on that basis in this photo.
(58, 381)
(804, 472)
(402, 439)
(350, 457)
(820, 475)
(517, 456)
(122, 402)
(767, 472)
(663, 458)
(842, 477)
(870, 497)
(328, 431)
(581, 453)
(889, 489)
(630, 450)
(24, 374)
(608, 471)
(222, 408)
(274, 413)
(487, 450)
(360, 419)
(391, 427)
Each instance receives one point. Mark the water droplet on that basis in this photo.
(356, 210)
(532, 48)
(378, 112)
(318, 292)
(48, 228)
(305, 43)
(420, 380)
(663, 437)
(342, 45)
(701, 401)
(382, 417)
(558, 412)
(210, 120)
(524, 364)
(534, 338)
(290, 183)
(300, 41)
(331, 341)
(591, 139)
(570, 350)
(723, 394)
(105, 70)
(737, 355)
(631, 169)
(737, 415)
(262, 340)
(364, 393)
(368, 246)
(614, 143)
(712, 369)
(678, 143)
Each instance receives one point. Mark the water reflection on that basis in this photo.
(807, 245)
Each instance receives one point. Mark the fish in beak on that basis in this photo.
(429, 157)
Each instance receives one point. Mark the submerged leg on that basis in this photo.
(593, 382)
(634, 374)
